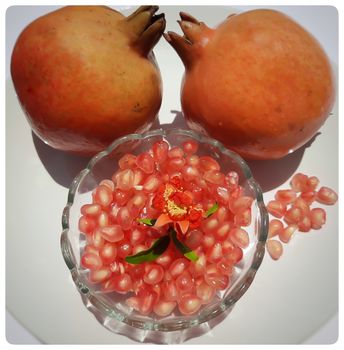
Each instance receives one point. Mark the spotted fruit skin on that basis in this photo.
(81, 79)
(259, 83)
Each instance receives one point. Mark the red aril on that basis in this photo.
(243, 218)
(113, 233)
(91, 261)
(192, 160)
(194, 239)
(169, 290)
(305, 224)
(276, 208)
(154, 274)
(175, 164)
(275, 228)
(128, 161)
(274, 248)
(215, 279)
(318, 218)
(90, 249)
(214, 254)
(139, 177)
(210, 225)
(178, 267)
(108, 253)
(124, 249)
(197, 268)
(164, 308)
(208, 163)
(285, 196)
(103, 219)
(299, 183)
(205, 292)
(137, 236)
(293, 216)
(312, 183)
(222, 195)
(91, 209)
(175, 152)
(190, 147)
(326, 196)
(97, 239)
(124, 218)
(125, 180)
(118, 283)
(103, 196)
(145, 162)
(232, 178)
(239, 237)
(302, 205)
(208, 241)
(288, 233)
(184, 282)
(86, 224)
(189, 173)
(240, 204)
(308, 197)
(222, 231)
(101, 275)
(224, 267)
(189, 304)
(214, 177)
(160, 149)
(121, 197)
(152, 183)
(234, 256)
(165, 259)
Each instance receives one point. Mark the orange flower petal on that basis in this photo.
(184, 226)
(162, 220)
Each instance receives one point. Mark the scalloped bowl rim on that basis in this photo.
(168, 324)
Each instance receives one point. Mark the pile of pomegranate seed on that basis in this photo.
(294, 207)
(114, 228)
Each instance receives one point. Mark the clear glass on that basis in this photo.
(110, 308)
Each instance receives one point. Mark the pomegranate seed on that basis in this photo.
(97, 239)
(124, 218)
(326, 196)
(124, 249)
(136, 203)
(117, 267)
(227, 247)
(145, 162)
(308, 197)
(215, 279)
(108, 183)
(137, 236)
(101, 275)
(293, 216)
(222, 195)
(208, 241)
(175, 164)
(169, 290)
(232, 178)
(190, 147)
(184, 282)
(240, 204)
(205, 292)
(276, 208)
(113, 233)
(91, 261)
(189, 304)
(190, 173)
(152, 183)
(214, 177)
(91, 209)
(86, 225)
(164, 308)
(192, 160)
(288, 233)
(128, 161)
(318, 218)
(103, 196)
(154, 274)
(303, 205)
(194, 239)
(139, 177)
(121, 197)
(103, 219)
(222, 214)
(175, 152)
(239, 237)
(208, 163)
(224, 267)
(234, 256)
(275, 228)
(138, 248)
(244, 218)
(90, 249)
(197, 268)
(210, 225)
(118, 283)
(108, 253)
(222, 231)
(134, 303)
(125, 180)
(274, 248)
(178, 267)
(160, 150)
(298, 182)
(285, 196)
(165, 259)
(305, 224)
(214, 254)
(312, 183)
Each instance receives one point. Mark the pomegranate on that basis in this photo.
(259, 82)
(86, 75)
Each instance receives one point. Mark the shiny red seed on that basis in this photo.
(305, 224)
(101, 275)
(113, 233)
(118, 283)
(164, 308)
(205, 292)
(326, 196)
(128, 161)
(312, 183)
(145, 162)
(125, 179)
(285, 196)
(288, 233)
(318, 218)
(239, 237)
(275, 228)
(298, 182)
(308, 197)
(91, 209)
(293, 216)
(274, 248)
(208, 163)
(103, 196)
(184, 282)
(91, 261)
(189, 304)
(276, 208)
(175, 152)
(160, 149)
(190, 147)
(302, 205)
(86, 224)
(178, 267)
(154, 274)
(108, 253)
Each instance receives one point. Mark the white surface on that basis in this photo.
(290, 300)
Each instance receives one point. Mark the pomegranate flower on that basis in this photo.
(177, 207)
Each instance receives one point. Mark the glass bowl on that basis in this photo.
(110, 309)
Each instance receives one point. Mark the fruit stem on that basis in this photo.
(146, 28)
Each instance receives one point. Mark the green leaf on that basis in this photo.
(147, 221)
(159, 246)
(187, 252)
(212, 210)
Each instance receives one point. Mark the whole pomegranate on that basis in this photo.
(259, 82)
(86, 75)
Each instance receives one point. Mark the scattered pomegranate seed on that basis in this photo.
(154, 274)
(103, 196)
(86, 225)
(302, 205)
(305, 224)
(91, 209)
(108, 183)
(128, 161)
(287, 233)
(275, 248)
(125, 180)
(276, 208)
(91, 261)
(108, 253)
(164, 308)
(308, 197)
(275, 228)
(101, 275)
(205, 292)
(112, 233)
(239, 237)
(285, 196)
(312, 183)
(299, 183)
(318, 218)
(326, 196)
(190, 147)
(293, 216)
(189, 304)
(160, 149)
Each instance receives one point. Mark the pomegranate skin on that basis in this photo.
(259, 82)
(86, 75)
